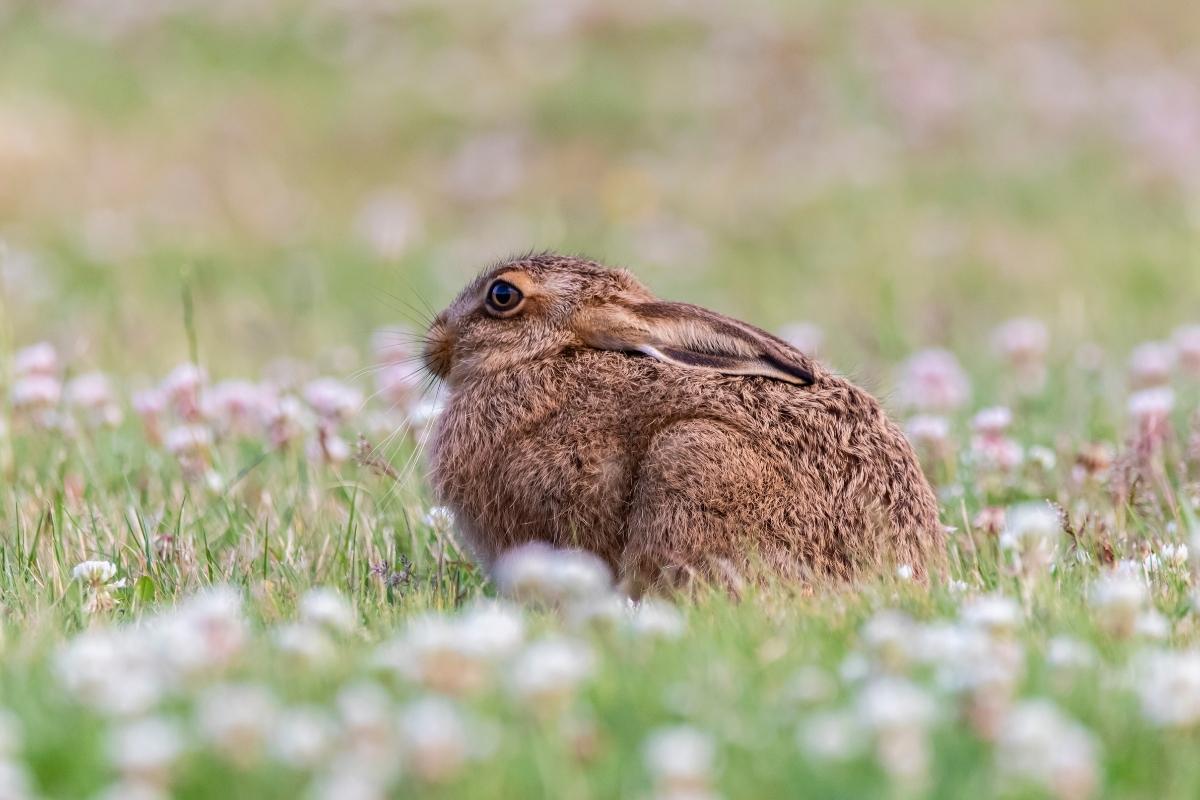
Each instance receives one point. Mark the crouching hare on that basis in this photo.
(675, 443)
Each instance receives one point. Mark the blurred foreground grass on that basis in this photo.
(240, 183)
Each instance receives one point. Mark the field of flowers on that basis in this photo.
(223, 224)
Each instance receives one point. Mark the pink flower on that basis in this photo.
(992, 421)
(36, 392)
(189, 440)
(92, 394)
(1187, 348)
(37, 359)
(1151, 410)
(286, 421)
(398, 384)
(150, 405)
(997, 453)
(1151, 364)
(1023, 343)
(182, 387)
(238, 407)
(933, 381)
(332, 399)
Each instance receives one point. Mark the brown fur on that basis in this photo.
(723, 451)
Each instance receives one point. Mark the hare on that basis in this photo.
(673, 442)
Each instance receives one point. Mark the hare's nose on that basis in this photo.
(438, 354)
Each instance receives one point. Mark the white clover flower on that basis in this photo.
(236, 719)
(328, 608)
(94, 573)
(454, 654)
(347, 782)
(889, 636)
(1118, 599)
(308, 644)
(895, 704)
(1065, 654)
(548, 672)
(368, 737)
(604, 612)
(1168, 685)
(204, 634)
(1032, 531)
(1151, 624)
(835, 736)
(680, 759)
(1031, 527)
(855, 668)
(811, 685)
(112, 671)
(303, 738)
(145, 750)
(436, 738)
(972, 660)
(15, 782)
(493, 630)
(440, 518)
(996, 614)
(904, 572)
(1045, 458)
(655, 619)
(899, 714)
(539, 573)
(132, 790)
(1039, 744)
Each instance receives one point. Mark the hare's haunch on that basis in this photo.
(670, 440)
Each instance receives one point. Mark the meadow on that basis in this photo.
(223, 224)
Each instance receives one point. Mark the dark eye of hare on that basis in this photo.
(503, 296)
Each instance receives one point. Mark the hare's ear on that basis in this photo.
(690, 336)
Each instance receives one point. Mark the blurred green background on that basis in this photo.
(902, 174)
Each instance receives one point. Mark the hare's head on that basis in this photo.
(541, 306)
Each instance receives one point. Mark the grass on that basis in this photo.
(261, 192)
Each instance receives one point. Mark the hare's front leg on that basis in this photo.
(706, 506)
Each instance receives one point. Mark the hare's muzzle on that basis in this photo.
(439, 349)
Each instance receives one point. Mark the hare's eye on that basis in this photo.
(503, 296)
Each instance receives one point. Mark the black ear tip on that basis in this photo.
(803, 376)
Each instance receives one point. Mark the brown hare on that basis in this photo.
(672, 441)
